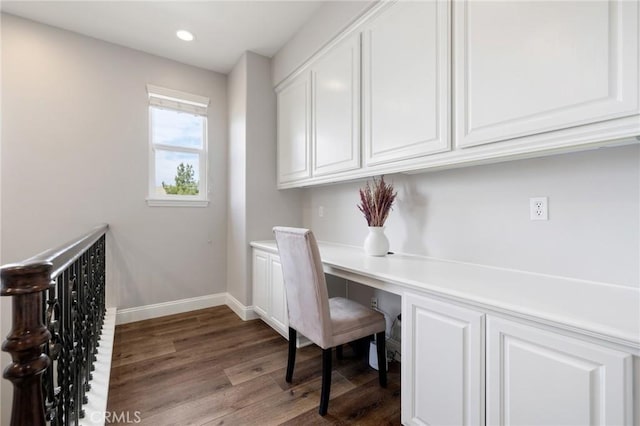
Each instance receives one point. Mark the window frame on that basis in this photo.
(174, 100)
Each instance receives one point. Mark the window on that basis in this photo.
(177, 148)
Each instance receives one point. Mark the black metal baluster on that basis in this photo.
(63, 360)
(65, 367)
(79, 344)
(85, 312)
(102, 244)
(72, 283)
(51, 390)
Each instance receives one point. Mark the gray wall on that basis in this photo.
(75, 154)
(5, 302)
(331, 18)
(237, 207)
(266, 206)
(255, 205)
(481, 215)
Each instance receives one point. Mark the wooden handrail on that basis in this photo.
(58, 311)
(64, 255)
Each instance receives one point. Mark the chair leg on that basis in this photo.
(382, 358)
(361, 347)
(339, 354)
(292, 354)
(326, 381)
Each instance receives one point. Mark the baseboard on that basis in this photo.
(244, 312)
(174, 307)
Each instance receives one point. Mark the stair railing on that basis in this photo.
(58, 309)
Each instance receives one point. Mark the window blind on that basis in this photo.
(176, 100)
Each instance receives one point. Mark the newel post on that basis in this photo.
(25, 283)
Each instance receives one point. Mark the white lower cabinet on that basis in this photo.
(278, 313)
(442, 363)
(533, 375)
(538, 377)
(261, 286)
(269, 299)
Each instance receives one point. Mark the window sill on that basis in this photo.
(164, 202)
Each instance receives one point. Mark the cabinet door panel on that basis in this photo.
(528, 67)
(279, 314)
(406, 81)
(336, 112)
(535, 377)
(261, 288)
(442, 356)
(294, 115)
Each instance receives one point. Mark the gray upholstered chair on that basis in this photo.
(326, 322)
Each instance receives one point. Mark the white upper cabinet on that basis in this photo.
(417, 85)
(405, 74)
(528, 67)
(294, 130)
(335, 81)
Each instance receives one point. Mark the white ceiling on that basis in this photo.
(223, 29)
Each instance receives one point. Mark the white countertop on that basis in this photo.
(602, 310)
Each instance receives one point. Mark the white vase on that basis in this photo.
(376, 243)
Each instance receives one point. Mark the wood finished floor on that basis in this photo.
(209, 367)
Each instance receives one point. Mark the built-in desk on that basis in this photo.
(483, 341)
(610, 312)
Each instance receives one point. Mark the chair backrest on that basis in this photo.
(304, 283)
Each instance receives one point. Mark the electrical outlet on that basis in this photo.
(321, 211)
(374, 303)
(539, 208)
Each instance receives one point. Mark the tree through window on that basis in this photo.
(184, 182)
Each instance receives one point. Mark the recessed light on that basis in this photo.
(184, 35)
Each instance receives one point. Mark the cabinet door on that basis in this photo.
(536, 377)
(336, 112)
(442, 363)
(261, 288)
(406, 81)
(527, 67)
(278, 314)
(294, 119)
